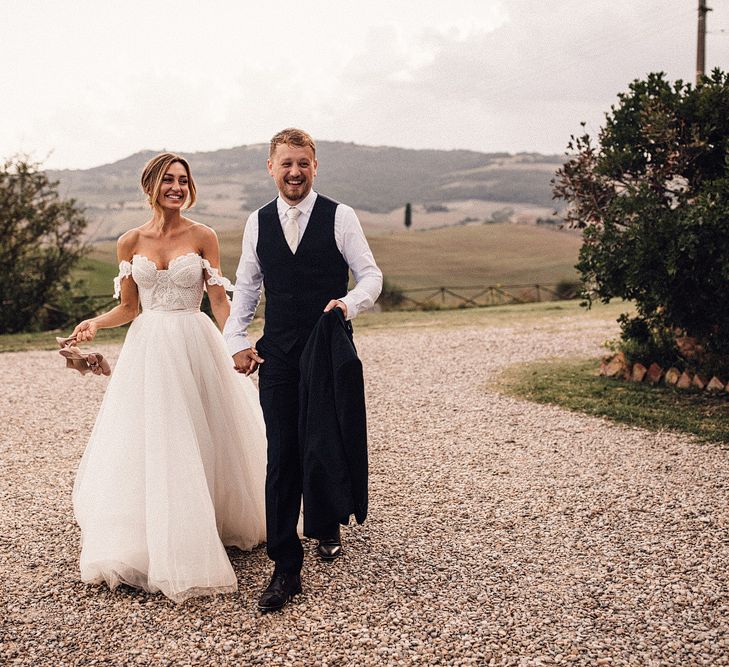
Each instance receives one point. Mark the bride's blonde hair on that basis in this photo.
(155, 170)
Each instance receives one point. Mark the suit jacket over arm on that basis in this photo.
(332, 427)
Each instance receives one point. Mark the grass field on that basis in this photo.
(97, 275)
(476, 255)
(503, 254)
(574, 384)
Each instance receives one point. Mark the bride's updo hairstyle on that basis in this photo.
(154, 172)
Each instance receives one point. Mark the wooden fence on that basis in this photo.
(462, 296)
(469, 296)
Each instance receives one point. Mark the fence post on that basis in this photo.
(539, 298)
(442, 295)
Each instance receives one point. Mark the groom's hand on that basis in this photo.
(336, 303)
(246, 361)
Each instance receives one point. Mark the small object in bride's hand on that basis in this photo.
(82, 362)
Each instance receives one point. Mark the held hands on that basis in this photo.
(85, 331)
(247, 361)
(336, 303)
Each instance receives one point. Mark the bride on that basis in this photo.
(175, 465)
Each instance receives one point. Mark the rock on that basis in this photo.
(617, 367)
(655, 373)
(699, 381)
(672, 375)
(638, 373)
(689, 347)
(715, 384)
(684, 382)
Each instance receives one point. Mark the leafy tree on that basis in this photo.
(652, 198)
(408, 215)
(40, 243)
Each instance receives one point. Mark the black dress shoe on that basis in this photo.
(330, 548)
(283, 586)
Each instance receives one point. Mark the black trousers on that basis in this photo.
(278, 385)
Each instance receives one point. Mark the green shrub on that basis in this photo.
(652, 199)
(391, 297)
(645, 344)
(567, 289)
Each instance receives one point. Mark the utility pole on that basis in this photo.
(701, 41)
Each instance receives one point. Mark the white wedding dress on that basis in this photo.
(175, 466)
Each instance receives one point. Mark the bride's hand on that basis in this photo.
(85, 331)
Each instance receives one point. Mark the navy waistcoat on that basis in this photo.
(299, 285)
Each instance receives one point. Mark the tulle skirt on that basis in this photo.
(175, 466)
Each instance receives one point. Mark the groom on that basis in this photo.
(300, 247)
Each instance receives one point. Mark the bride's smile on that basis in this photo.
(174, 189)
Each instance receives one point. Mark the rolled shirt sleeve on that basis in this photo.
(356, 251)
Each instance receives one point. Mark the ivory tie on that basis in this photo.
(291, 228)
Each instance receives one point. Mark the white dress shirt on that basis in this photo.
(351, 242)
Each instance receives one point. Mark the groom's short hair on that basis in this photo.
(291, 136)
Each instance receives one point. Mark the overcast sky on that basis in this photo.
(86, 83)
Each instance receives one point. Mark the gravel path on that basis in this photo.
(500, 533)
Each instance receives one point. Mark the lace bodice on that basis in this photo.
(178, 287)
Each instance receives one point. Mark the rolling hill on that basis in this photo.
(453, 194)
(445, 187)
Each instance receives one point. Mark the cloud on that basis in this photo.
(524, 85)
(97, 84)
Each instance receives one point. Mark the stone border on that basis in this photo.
(618, 367)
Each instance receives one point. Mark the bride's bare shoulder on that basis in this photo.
(201, 231)
(127, 243)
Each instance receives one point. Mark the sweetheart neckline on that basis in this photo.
(216, 278)
(170, 263)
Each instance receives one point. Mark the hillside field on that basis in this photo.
(476, 255)
(479, 254)
(444, 187)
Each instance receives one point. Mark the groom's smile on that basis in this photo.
(293, 168)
